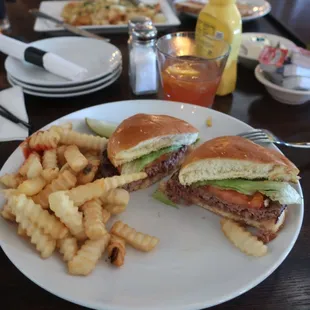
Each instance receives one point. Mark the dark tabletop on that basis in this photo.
(289, 286)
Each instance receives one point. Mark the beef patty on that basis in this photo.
(155, 171)
(178, 193)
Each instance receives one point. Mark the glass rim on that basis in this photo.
(185, 34)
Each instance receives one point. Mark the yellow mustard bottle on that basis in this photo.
(222, 19)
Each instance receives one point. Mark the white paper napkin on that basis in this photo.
(13, 100)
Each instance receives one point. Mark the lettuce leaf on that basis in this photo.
(160, 196)
(276, 191)
(196, 142)
(138, 164)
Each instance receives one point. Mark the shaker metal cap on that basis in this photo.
(144, 32)
(142, 20)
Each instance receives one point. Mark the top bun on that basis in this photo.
(233, 157)
(142, 134)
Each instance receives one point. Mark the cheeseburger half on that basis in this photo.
(155, 144)
(237, 179)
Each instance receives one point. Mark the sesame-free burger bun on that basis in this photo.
(142, 134)
(232, 157)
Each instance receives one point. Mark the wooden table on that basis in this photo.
(289, 286)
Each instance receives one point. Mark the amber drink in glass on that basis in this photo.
(186, 76)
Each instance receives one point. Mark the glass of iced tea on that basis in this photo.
(191, 70)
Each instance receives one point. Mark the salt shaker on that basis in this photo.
(143, 74)
(143, 20)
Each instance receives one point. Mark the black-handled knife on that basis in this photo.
(11, 117)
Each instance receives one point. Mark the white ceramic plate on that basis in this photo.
(54, 8)
(260, 13)
(266, 9)
(67, 89)
(100, 58)
(249, 60)
(272, 38)
(67, 94)
(194, 265)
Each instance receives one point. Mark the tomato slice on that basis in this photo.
(231, 196)
(257, 200)
(163, 157)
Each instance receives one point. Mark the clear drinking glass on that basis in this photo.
(191, 70)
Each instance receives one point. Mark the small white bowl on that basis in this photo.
(249, 60)
(281, 94)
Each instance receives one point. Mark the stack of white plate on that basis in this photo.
(102, 60)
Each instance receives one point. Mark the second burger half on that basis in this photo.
(155, 144)
(237, 179)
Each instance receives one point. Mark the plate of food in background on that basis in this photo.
(249, 9)
(104, 15)
(106, 220)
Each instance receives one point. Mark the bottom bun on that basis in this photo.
(267, 225)
(145, 183)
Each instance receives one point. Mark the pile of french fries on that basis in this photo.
(58, 204)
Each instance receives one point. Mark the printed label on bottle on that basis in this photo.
(219, 35)
(206, 26)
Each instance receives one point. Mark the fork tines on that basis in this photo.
(257, 136)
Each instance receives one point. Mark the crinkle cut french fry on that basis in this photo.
(61, 155)
(64, 181)
(115, 201)
(93, 220)
(105, 215)
(92, 156)
(117, 196)
(67, 167)
(84, 262)
(49, 159)
(75, 158)
(45, 244)
(67, 213)
(83, 141)
(35, 169)
(68, 247)
(44, 140)
(117, 251)
(8, 193)
(66, 126)
(31, 167)
(121, 180)
(114, 209)
(88, 174)
(50, 174)
(243, 239)
(80, 194)
(59, 128)
(24, 167)
(138, 240)
(11, 180)
(7, 213)
(49, 223)
(21, 232)
(32, 187)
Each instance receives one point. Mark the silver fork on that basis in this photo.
(262, 136)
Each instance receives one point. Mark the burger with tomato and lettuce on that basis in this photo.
(237, 179)
(155, 144)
